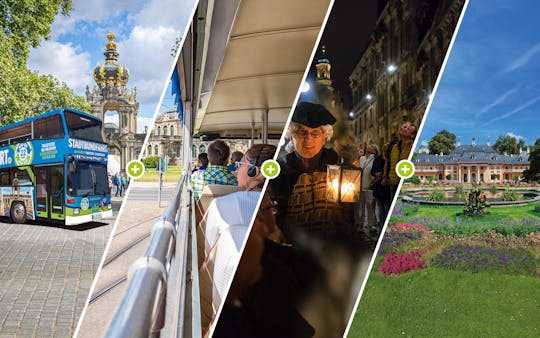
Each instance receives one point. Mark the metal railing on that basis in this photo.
(142, 309)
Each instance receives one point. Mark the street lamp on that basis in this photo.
(369, 96)
(391, 68)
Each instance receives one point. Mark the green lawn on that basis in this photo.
(171, 176)
(436, 302)
(514, 212)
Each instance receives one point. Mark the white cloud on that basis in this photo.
(169, 13)
(65, 62)
(142, 122)
(147, 54)
(517, 137)
(524, 59)
(496, 102)
(514, 111)
(110, 118)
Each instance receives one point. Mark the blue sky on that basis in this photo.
(490, 85)
(146, 31)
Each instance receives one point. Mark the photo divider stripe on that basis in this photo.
(441, 71)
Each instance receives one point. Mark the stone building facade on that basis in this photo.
(395, 76)
(111, 94)
(471, 164)
(165, 138)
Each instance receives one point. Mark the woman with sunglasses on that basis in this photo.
(248, 169)
(227, 221)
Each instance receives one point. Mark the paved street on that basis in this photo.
(129, 242)
(46, 272)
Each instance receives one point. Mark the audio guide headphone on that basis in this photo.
(252, 171)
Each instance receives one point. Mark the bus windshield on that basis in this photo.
(87, 178)
(83, 127)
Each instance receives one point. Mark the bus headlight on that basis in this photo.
(109, 206)
(76, 211)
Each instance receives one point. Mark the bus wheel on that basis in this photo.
(18, 212)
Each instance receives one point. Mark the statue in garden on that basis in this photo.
(476, 203)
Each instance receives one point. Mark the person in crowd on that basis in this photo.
(367, 203)
(124, 182)
(399, 151)
(299, 190)
(216, 172)
(236, 156)
(202, 162)
(381, 192)
(118, 185)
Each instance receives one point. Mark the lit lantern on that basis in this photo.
(342, 184)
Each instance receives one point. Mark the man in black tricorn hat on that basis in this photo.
(300, 189)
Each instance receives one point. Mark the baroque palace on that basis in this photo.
(471, 164)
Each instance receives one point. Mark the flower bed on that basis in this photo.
(408, 227)
(393, 240)
(478, 258)
(396, 264)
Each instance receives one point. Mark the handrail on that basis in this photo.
(141, 311)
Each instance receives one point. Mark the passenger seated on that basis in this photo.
(227, 220)
(216, 172)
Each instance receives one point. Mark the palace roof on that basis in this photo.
(472, 154)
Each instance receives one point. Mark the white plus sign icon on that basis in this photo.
(405, 169)
(135, 169)
(270, 169)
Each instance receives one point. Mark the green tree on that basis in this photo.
(443, 142)
(24, 93)
(26, 22)
(508, 144)
(533, 173)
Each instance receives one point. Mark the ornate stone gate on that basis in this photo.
(111, 94)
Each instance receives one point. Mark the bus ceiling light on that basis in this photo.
(305, 87)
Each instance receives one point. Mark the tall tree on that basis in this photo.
(443, 142)
(507, 144)
(24, 93)
(26, 22)
(533, 173)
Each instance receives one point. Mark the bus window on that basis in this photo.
(22, 176)
(83, 127)
(17, 134)
(86, 178)
(48, 127)
(4, 177)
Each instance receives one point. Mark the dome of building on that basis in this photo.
(111, 71)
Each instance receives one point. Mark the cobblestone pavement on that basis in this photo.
(45, 275)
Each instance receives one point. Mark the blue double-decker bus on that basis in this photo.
(54, 167)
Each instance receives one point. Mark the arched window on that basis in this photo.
(202, 148)
(165, 131)
(158, 131)
(172, 130)
(194, 151)
(156, 150)
(149, 150)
